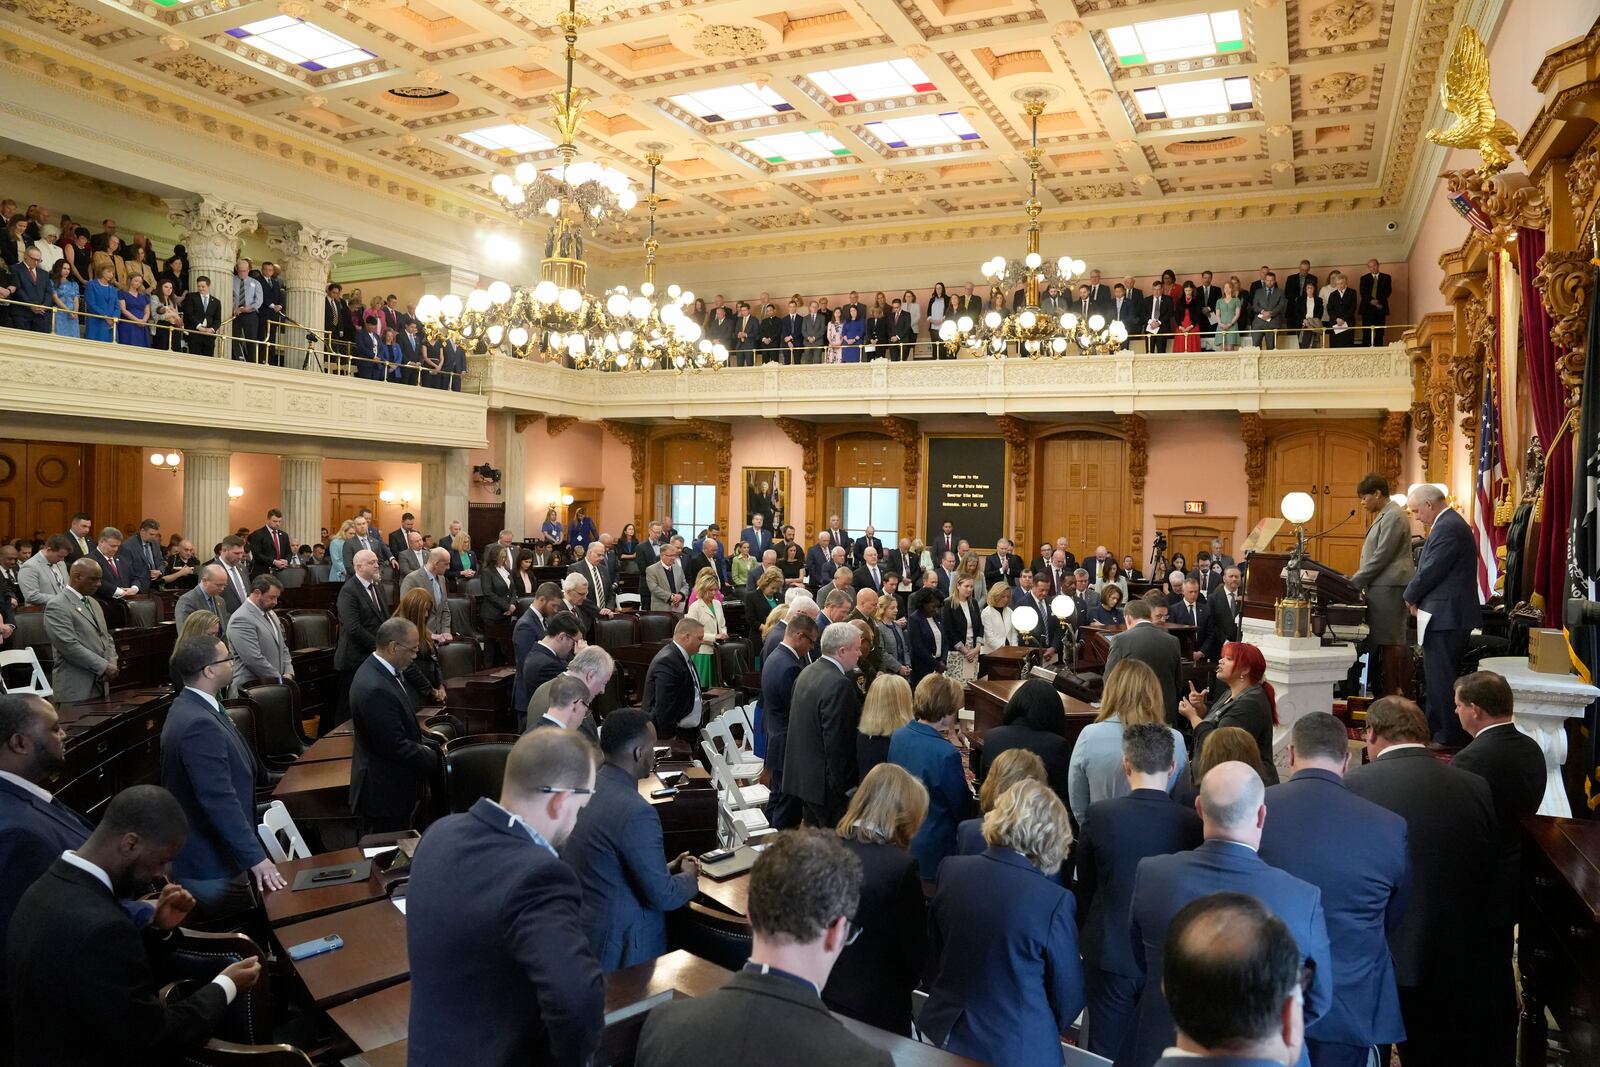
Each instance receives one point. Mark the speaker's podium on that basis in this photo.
(1332, 599)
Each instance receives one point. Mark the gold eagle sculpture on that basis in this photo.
(1465, 94)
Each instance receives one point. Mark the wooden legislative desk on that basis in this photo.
(373, 956)
(1559, 955)
(482, 699)
(318, 790)
(111, 745)
(285, 906)
(987, 701)
(689, 819)
(334, 746)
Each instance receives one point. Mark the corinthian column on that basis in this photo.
(211, 230)
(308, 254)
(301, 493)
(205, 498)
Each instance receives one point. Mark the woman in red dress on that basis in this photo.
(1188, 315)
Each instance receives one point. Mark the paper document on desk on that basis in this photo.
(1422, 623)
(399, 902)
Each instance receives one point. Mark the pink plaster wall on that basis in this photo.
(1197, 457)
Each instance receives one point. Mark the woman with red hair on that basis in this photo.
(1249, 703)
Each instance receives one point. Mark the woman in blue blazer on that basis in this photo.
(581, 533)
(921, 747)
(925, 635)
(1008, 981)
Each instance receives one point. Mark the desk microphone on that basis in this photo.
(1334, 527)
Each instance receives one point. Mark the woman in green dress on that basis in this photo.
(1228, 309)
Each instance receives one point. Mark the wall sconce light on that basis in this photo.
(566, 500)
(386, 496)
(168, 461)
(235, 492)
(405, 498)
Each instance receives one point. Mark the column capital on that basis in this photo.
(210, 217)
(308, 251)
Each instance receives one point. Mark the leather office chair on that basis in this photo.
(475, 767)
(30, 633)
(470, 587)
(277, 722)
(456, 659)
(143, 611)
(716, 936)
(464, 617)
(735, 663)
(320, 572)
(245, 1034)
(655, 626)
(242, 710)
(312, 628)
(614, 633)
(291, 577)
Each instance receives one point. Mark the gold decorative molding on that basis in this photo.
(1564, 281)
(908, 435)
(804, 434)
(1477, 128)
(556, 425)
(1429, 345)
(1391, 447)
(637, 438)
(1138, 436)
(1019, 436)
(523, 420)
(1253, 431)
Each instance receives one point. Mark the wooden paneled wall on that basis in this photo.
(43, 483)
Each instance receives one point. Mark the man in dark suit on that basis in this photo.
(1118, 833)
(1127, 310)
(1227, 604)
(361, 608)
(672, 688)
(529, 629)
(869, 575)
(770, 335)
(30, 285)
(1355, 852)
(211, 769)
(1037, 596)
(1341, 310)
(1157, 319)
(943, 541)
(756, 535)
(1232, 941)
(597, 568)
(868, 539)
(142, 558)
(202, 318)
(1445, 586)
(1003, 566)
(1233, 812)
(546, 659)
(335, 323)
(791, 342)
(1154, 647)
(804, 889)
(390, 757)
(84, 978)
(780, 670)
(901, 562)
(813, 335)
(819, 762)
(819, 557)
(709, 555)
(1191, 609)
(35, 827)
(746, 333)
(902, 334)
(616, 851)
(116, 575)
(269, 546)
(492, 921)
(364, 537)
(399, 538)
(1513, 765)
(1452, 838)
(78, 528)
(1375, 288)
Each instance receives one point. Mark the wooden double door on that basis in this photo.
(1327, 461)
(1082, 493)
(44, 483)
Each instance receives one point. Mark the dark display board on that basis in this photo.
(966, 485)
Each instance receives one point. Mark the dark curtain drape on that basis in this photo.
(1549, 418)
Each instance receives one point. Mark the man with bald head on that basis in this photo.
(866, 605)
(85, 656)
(362, 608)
(869, 575)
(207, 595)
(1233, 811)
(430, 576)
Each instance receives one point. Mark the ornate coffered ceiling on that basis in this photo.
(1327, 117)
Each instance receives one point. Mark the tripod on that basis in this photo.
(1158, 559)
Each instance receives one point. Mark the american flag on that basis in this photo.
(1471, 212)
(1491, 471)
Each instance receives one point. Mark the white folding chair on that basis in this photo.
(38, 684)
(627, 600)
(743, 763)
(277, 820)
(735, 796)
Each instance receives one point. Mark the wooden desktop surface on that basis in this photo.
(318, 790)
(286, 905)
(336, 746)
(373, 956)
(732, 895)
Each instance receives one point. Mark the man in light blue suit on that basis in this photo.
(1233, 812)
(1446, 587)
(1355, 852)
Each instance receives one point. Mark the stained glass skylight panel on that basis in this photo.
(872, 81)
(1183, 37)
(299, 42)
(923, 131)
(732, 102)
(795, 147)
(510, 139)
(1181, 100)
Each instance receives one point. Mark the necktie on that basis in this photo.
(875, 583)
(438, 594)
(277, 545)
(372, 590)
(211, 605)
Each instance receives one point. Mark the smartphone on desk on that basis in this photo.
(664, 794)
(306, 949)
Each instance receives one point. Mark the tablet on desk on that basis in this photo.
(339, 874)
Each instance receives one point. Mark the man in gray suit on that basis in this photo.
(1445, 586)
(256, 638)
(666, 590)
(813, 334)
(415, 557)
(819, 761)
(207, 595)
(1267, 312)
(430, 576)
(1386, 568)
(1148, 643)
(85, 654)
(45, 572)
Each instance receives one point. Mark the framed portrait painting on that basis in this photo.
(766, 493)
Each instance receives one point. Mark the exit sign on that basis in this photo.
(1194, 507)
